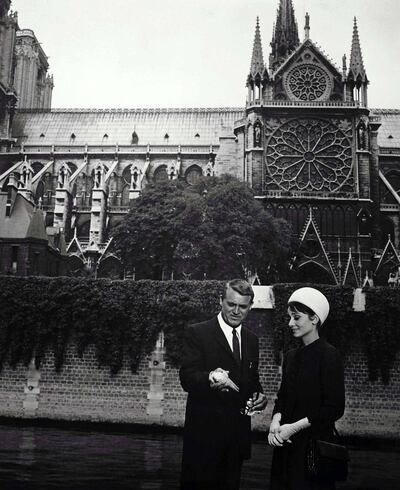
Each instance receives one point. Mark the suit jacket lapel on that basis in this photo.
(244, 346)
(221, 339)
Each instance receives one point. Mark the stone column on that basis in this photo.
(375, 182)
(32, 391)
(155, 395)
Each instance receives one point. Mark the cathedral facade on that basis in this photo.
(306, 141)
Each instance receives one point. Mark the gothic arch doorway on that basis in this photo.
(110, 268)
(387, 228)
(315, 273)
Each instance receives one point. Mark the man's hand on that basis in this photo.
(257, 403)
(219, 380)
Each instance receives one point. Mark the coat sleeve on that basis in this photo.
(332, 389)
(254, 381)
(193, 375)
(279, 402)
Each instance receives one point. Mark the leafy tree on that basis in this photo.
(240, 236)
(158, 221)
(215, 229)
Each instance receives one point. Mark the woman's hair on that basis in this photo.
(299, 307)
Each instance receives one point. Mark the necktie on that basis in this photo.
(235, 346)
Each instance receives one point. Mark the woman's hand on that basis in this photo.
(274, 429)
(286, 431)
(281, 435)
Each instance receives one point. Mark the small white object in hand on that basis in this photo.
(220, 375)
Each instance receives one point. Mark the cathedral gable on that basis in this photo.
(308, 76)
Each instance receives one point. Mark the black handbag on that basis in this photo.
(326, 461)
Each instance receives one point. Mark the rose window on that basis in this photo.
(308, 83)
(309, 155)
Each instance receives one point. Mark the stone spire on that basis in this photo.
(258, 77)
(285, 38)
(356, 68)
(257, 58)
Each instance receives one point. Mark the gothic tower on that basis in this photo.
(8, 98)
(33, 84)
(311, 149)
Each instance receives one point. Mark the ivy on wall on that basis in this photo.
(123, 319)
(381, 331)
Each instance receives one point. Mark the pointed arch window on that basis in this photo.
(364, 220)
(83, 230)
(160, 174)
(135, 138)
(281, 212)
(36, 167)
(39, 191)
(126, 175)
(338, 221)
(193, 174)
(125, 195)
(350, 221)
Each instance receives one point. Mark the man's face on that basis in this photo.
(234, 307)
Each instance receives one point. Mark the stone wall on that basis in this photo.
(82, 391)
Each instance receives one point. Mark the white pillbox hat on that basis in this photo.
(314, 299)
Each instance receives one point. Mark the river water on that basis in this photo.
(44, 458)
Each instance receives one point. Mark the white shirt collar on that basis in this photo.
(227, 330)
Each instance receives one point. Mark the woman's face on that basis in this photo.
(303, 326)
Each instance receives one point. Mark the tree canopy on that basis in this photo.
(215, 230)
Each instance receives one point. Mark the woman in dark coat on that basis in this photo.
(311, 395)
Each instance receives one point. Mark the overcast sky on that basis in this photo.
(195, 53)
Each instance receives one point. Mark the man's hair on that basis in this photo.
(299, 307)
(240, 286)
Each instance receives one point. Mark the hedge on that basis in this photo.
(123, 319)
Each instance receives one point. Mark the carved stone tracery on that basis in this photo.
(309, 155)
(308, 82)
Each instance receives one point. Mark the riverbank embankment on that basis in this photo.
(84, 392)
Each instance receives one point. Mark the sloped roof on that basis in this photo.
(308, 43)
(37, 227)
(25, 221)
(150, 125)
(389, 131)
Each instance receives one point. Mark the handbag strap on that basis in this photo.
(337, 433)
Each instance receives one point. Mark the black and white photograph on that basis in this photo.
(199, 245)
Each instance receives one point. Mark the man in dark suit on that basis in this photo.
(220, 373)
